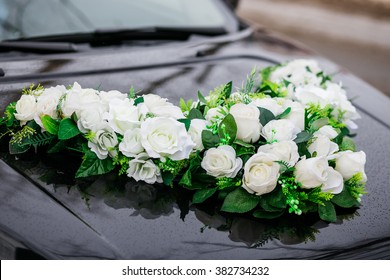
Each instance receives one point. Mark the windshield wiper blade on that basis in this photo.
(38, 47)
(118, 35)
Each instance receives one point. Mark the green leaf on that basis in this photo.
(327, 212)
(50, 124)
(68, 129)
(262, 214)
(266, 206)
(186, 180)
(228, 126)
(201, 97)
(302, 137)
(348, 144)
(92, 165)
(239, 201)
(276, 198)
(15, 148)
(243, 144)
(138, 100)
(284, 114)
(345, 199)
(209, 139)
(59, 146)
(167, 178)
(186, 122)
(227, 90)
(265, 116)
(195, 114)
(317, 124)
(201, 195)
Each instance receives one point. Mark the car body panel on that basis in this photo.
(56, 223)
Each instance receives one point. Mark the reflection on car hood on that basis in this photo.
(57, 223)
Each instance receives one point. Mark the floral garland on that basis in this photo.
(281, 142)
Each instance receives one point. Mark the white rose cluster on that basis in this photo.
(293, 122)
(145, 132)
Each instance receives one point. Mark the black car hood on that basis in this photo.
(46, 216)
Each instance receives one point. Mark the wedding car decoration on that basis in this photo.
(279, 145)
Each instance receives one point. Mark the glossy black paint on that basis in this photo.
(56, 223)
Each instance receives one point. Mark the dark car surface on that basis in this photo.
(43, 216)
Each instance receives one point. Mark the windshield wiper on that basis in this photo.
(38, 47)
(116, 36)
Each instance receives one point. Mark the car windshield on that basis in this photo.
(21, 19)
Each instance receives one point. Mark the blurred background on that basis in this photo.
(352, 33)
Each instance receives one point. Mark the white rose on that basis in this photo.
(122, 115)
(195, 131)
(268, 103)
(296, 72)
(261, 173)
(142, 168)
(131, 143)
(313, 95)
(334, 183)
(213, 115)
(160, 107)
(322, 146)
(77, 98)
(247, 120)
(165, 137)
(280, 130)
(107, 96)
(221, 162)
(283, 151)
(349, 163)
(104, 143)
(312, 172)
(26, 108)
(91, 119)
(327, 131)
(47, 104)
(297, 113)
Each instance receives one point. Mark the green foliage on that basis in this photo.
(347, 144)
(67, 129)
(302, 137)
(33, 91)
(314, 112)
(201, 98)
(132, 93)
(250, 82)
(239, 201)
(9, 115)
(186, 122)
(356, 186)
(41, 139)
(138, 100)
(284, 114)
(195, 114)
(327, 212)
(92, 165)
(227, 130)
(225, 183)
(202, 195)
(265, 73)
(50, 124)
(123, 163)
(271, 89)
(185, 106)
(172, 166)
(209, 139)
(263, 214)
(265, 116)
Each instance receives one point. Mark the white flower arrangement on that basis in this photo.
(280, 142)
